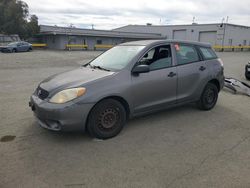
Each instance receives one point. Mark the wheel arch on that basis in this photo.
(117, 98)
(216, 83)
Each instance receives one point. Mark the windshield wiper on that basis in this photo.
(98, 67)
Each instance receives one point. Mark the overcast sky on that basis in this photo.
(109, 14)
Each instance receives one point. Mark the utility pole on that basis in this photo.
(224, 32)
(193, 21)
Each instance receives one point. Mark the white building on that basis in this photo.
(216, 34)
(58, 37)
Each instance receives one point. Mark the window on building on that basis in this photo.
(99, 41)
(186, 54)
(244, 42)
(71, 40)
(208, 53)
(230, 42)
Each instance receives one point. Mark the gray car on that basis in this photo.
(17, 47)
(129, 80)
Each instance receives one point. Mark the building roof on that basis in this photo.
(183, 25)
(55, 30)
(163, 29)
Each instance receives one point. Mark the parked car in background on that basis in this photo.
(247, 71)
(129, 80)
(17, 47)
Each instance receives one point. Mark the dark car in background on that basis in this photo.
(129, 80)
(16, 47)
(247, 71)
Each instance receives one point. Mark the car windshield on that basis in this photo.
(12, 44)
(116, 58)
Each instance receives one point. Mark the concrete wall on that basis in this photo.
(192, 31)
(55, 41)
(60, 41)
(211, 33)
(238, 35)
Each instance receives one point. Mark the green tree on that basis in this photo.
(32, 26)
(14, 19)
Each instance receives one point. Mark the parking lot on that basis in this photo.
(180, 147)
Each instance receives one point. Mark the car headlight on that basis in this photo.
(67, 95)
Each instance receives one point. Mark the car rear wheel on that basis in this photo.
(247, 71)
(209, 97)
(247, 76)
(106, 119)
(14, 50)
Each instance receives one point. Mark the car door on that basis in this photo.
(24, 46)
(192, 73)
(20, 47)
(157, 88)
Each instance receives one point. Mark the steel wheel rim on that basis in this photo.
(210, 96)
(108, 119)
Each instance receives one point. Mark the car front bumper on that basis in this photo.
(5, 50)
(60, 117)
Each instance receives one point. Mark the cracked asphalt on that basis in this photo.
(180, 147)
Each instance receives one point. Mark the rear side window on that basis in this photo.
(186, 54)
(208, 53)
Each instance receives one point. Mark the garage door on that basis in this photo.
(179, 34)
(208, 36)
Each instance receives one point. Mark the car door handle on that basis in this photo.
(172, 74)
(202, 68)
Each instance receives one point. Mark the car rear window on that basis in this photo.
(208, 53)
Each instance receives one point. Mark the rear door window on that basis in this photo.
(207, 53)
(186, 54)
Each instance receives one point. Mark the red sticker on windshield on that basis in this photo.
(177, 47)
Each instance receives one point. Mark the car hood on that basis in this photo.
(73, 78)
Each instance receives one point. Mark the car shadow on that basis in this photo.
(34, 131)
(161, 115)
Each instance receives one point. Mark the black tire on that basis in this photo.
(247, 73)
(106, 119)
(14, 50)
(209, 97)
(30, 49)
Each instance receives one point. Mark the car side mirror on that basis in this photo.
(140, 69)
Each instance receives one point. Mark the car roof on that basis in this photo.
(155, 42)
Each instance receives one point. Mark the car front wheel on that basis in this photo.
(209, 97)
(106, 119)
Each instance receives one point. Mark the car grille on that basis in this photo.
(41, 93)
